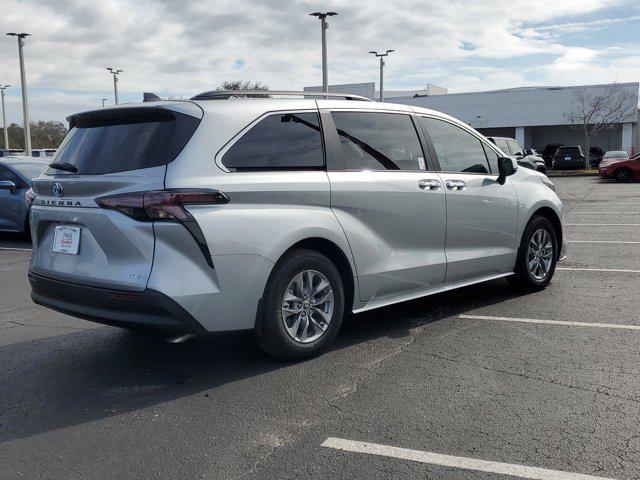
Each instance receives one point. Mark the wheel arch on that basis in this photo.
(551, 215)
(334, 253)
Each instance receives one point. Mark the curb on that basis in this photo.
(573, 174)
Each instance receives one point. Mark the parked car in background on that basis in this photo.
(548, 152)
(278, 215)
(568, 158)
(514, 150)
(16, 174)
(5, 152)
(618, 165)
(43, 152)
(595, 156)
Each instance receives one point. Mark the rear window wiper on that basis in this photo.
(65, 167)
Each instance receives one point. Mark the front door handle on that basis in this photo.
(428, 184)
(456, 185)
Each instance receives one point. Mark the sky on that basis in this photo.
(181, 47)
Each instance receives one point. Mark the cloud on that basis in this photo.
(181, 47)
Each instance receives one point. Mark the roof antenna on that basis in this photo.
(151, 97)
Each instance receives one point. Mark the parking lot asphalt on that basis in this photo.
(482, 382)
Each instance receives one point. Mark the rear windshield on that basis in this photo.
(568, 151)
(121, 140)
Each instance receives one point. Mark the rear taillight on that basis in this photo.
(166, 205)
(29, 197)
(161, 204)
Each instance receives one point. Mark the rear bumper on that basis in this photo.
(574, 164)
(147, 309)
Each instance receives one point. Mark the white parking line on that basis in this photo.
(16, 249)
(603, 241)
(552, 322)
(609, 270)
(522, 471)
(603, 213)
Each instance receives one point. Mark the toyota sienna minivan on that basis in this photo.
(279, 215)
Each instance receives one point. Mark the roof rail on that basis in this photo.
(225, 94)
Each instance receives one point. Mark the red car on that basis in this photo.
(622, 168)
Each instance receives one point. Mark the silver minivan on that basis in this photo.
(278, 215)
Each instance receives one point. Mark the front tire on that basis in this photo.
(537, 256)
(622, 175)
(303, 306)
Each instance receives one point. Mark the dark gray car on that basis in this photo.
(15, 179)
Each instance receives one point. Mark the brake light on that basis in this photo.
(166, 205)
(161, 204)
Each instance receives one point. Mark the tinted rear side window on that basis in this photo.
(280, 141)
(123, 140)
(378, 141)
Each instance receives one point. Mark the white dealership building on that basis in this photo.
(535, 116)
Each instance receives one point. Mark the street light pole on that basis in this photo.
(115, 74)
(382, 55)
(25, 101)
(323, 26)
(4, 117)
(103, 100)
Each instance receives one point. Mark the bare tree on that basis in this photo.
(595, 113)
(242, 85)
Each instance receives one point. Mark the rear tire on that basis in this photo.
(622, 175)
(537, 256)
(303, 306)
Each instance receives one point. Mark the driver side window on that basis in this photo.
(457, 149)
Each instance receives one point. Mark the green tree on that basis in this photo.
(47, 134)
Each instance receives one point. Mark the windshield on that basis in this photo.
(616, 154)
(29, 170)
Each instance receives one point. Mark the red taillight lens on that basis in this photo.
(29, 197)
(161, 204)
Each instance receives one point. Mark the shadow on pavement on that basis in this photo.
(71, 379)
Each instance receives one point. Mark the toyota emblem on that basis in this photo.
(57, 189)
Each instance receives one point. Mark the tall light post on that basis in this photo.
(103, 100)
(115, 74)
(23, 84)
(381, 55)
(324, 25)
(4, 116)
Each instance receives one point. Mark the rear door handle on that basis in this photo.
(429, 184)
(456, 185)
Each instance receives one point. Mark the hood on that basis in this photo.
(612, 161)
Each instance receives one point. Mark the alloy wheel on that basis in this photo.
(540, 254)
(307, 306)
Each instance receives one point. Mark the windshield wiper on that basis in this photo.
(65, 167)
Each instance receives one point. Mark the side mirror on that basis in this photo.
(505, 168)
(8, 185)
